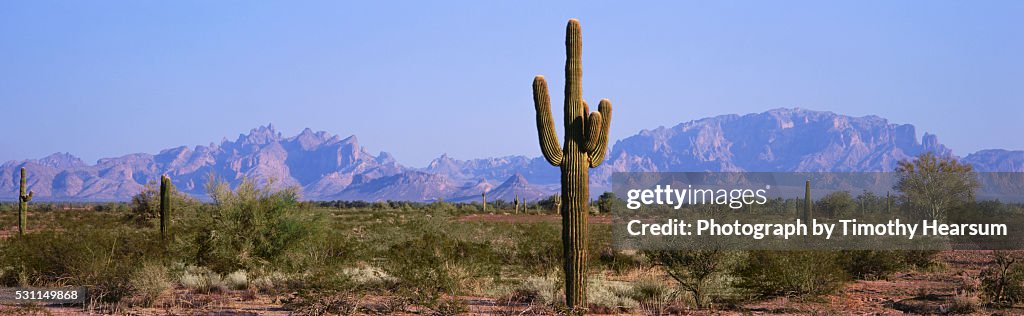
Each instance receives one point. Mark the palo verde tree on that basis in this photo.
(932, 185)
(586, 141)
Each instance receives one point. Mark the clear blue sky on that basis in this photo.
(420, 78)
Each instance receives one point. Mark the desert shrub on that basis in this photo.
(538, 247)
(102, 260)
(702, 273)
(436, 264)
(150, 281)
(601, 254)
(202, 280)
(653, 296)
(608, 297)
(836, 204)
(616, 260)
(920, 259)
(369, 277)
(269, 282)
(1002, 282)
(964, 302)
(545, 289)
(250, 228)
(144, 207)
(783, 273)
(872, 264)
(238, 280)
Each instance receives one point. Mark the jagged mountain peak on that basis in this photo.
(260, 135)
(61, 160)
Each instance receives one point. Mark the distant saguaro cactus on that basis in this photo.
(23, 200)
(165, 204)
(888, 203)
(586, 141)
(807, 202)
(515, 203)
(558, 202)
(483, 196)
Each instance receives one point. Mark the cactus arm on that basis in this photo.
(593, 129)
(545, 124)
(28, 198)
(601, 146)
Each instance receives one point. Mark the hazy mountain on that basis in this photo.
(776, 140)
(407, 186)
(494, 169)
(997, 160)
(518, 186)
(319, 163)
(326, 166)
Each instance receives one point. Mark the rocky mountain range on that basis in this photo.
(328, 167)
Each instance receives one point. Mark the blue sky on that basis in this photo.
(418, 79)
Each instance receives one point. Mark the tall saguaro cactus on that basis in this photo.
(586, 140)
(484, 197)
(165, 204)
(23, 200)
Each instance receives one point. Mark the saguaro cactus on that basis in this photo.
(484, 197)
(165, 204)
(888, 203)
(807, 202)
(515, 203)
(586, 140)
(23, 200)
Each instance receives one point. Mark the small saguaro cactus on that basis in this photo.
(558, 202)
(165, 204)
(23, 200)
(515, 203)
(888, 203)
(586, 141)
(483, 196)
(807, 202)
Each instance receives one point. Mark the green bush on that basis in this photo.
(784, 273)
(436, 264)
(702, 273)
(872, 264)
(102, 260)
(249, 228)
(144, 207)
(538, 247)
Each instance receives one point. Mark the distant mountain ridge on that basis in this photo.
(327, 167)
